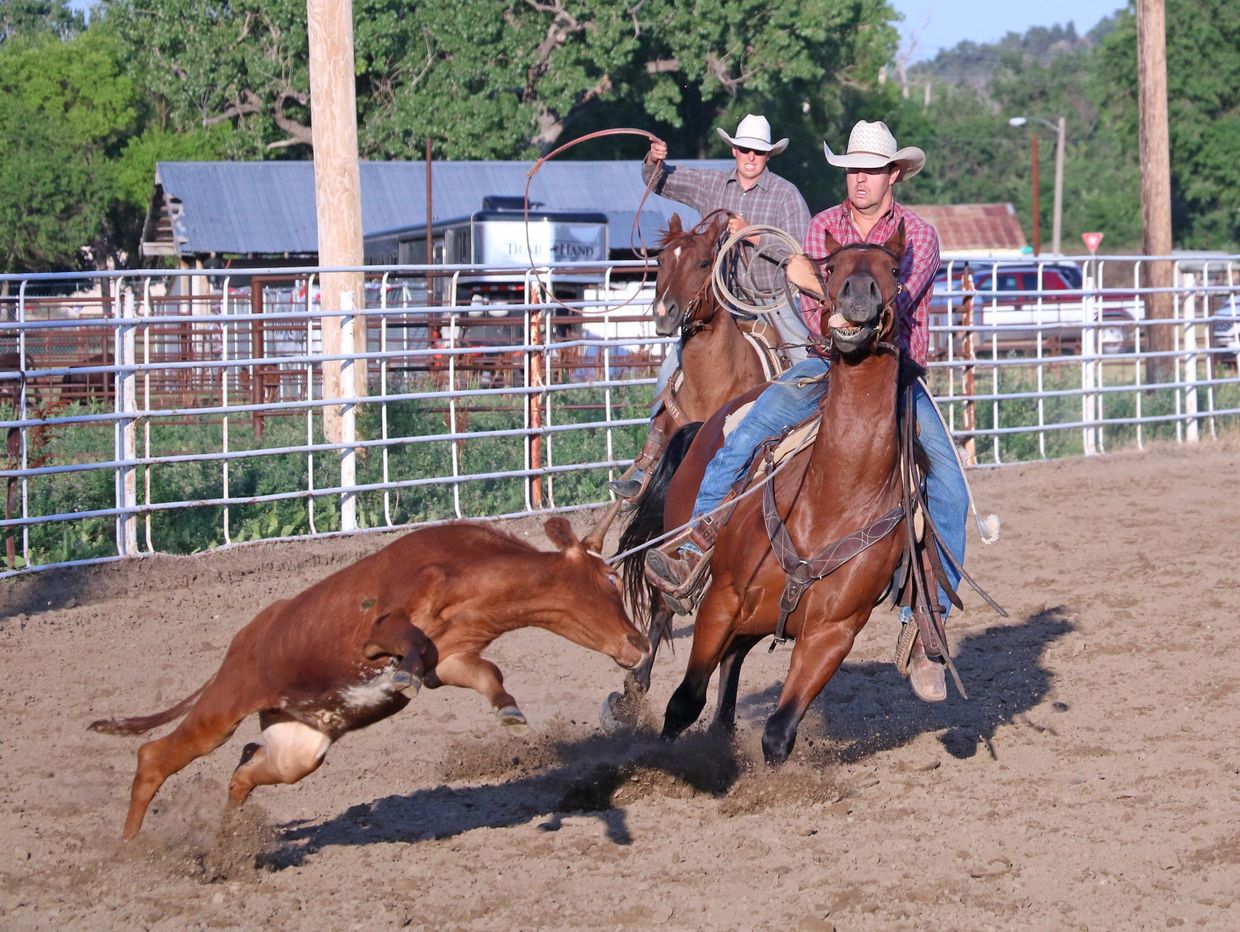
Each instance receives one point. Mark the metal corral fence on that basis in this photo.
(178, 411)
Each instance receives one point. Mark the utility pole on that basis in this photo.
(337, 194)
(1155, 169)
(1037, 219)
(1057, 230)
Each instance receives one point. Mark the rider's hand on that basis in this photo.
(658, 151)
(801, 272)
(739, 223)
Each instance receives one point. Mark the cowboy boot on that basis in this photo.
(679, 569)
(633, 483)
(925, 674)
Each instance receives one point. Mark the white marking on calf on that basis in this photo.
(290, 746)
(375, 691)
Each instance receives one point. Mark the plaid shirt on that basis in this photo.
(917, 271)
(772, 201)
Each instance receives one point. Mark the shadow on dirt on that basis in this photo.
(596, 776)
(865, 710)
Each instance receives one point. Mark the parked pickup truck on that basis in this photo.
(1016, 303)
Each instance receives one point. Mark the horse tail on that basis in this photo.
(144, 723)
(646, 522)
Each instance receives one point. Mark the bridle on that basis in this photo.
(886, 313)
(690, 326)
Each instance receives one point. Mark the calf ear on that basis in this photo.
(560, 532)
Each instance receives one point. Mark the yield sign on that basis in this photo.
(1092, 241)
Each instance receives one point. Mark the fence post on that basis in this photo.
(534, 399)
(127, 429)
(1089, 368)
(348, 415)
(1188, 282)
(968, 416)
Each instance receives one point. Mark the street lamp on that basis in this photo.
(1058, 212)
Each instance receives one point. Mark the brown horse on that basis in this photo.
(716, 358)
(718, 362)
(848, 478)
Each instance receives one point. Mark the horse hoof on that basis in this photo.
(620, 712)
(511, 715)
(927, 679)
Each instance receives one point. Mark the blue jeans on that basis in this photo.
(784, 404)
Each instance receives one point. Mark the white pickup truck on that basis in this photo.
(1018, 305)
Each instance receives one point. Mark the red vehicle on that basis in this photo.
(1016, 306)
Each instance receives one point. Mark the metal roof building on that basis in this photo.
(207, 210)
(985, 229)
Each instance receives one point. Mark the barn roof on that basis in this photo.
(267, 208)
(990, 228)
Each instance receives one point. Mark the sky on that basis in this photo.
(935, 25)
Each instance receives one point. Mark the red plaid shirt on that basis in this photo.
(917, 271)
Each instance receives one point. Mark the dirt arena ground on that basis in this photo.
(1092, 780)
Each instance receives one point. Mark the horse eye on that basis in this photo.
(614, 580)
(704, 264)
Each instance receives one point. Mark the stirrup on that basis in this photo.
(685, 588)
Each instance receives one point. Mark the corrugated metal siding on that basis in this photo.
(267, 208)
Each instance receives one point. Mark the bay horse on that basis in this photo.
(719, 360)
(842, 483)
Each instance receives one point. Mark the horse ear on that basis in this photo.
(673, 225)
(560, 532)
(830, 243)
(895, 245)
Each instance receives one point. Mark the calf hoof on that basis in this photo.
(511, 715)
(406, 683)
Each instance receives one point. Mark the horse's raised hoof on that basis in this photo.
(511, 715)
(927, 678)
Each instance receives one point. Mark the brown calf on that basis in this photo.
(354, 648)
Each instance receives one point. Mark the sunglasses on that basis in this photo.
(745, 151)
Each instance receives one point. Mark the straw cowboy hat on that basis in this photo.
(754, 132)
(871, 145)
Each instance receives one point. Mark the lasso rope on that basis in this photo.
(635, 228)
(719, 276)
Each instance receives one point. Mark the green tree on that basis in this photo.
(86, 104)
(1203, 94)
(45, 215)
(39, 18)
(490, 79)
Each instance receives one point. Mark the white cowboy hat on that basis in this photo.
(871, 145)
(754, 132)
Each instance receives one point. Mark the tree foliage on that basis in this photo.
(91, 108)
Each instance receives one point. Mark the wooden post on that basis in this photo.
(535, 356)
(1037, 220)
(968, 418)
(1155, 173)
(337, 188)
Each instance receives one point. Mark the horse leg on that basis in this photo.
(815, 658)
(729, 680)
(712, 636)
(660, 629)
